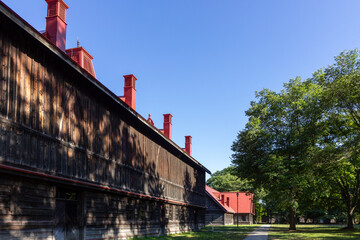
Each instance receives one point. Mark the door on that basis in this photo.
(196, 220)
(67, 215)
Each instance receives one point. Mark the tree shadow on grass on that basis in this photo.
(333, 232)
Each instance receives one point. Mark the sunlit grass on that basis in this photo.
(213, 232)
(319, 231)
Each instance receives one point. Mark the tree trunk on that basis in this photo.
(350, 216)
(292, 218)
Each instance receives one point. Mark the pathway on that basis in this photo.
(259, 234)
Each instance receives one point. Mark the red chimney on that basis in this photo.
(188, 144)
(56, 23)
(168, 125)
(222, 199)
(228, 201)
(129, 91)
(82, 57)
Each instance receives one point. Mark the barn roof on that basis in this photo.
(215, 198)
(245, 200)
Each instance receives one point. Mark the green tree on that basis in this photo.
(340, 155)
(275, 150)
(226, 181)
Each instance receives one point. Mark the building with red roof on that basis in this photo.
(225, 208)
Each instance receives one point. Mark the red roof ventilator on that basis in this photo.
(82, 57)
(56, 23)
(188, 145)
(129, 91)
(56, 33)
(167, 126)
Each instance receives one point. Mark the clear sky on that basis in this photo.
(203, 60)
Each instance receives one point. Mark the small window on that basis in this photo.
(66, 194)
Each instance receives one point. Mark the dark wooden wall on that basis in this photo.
(28, 211)
(54, 121)
(215, 215)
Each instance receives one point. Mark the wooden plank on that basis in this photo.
(19, 136)
(107, 133)
(33, 151)
(3, 70)
(27, 90)
(32, 93)
(46, 100)
(91, 133)
(40, 154)
(53, 103)
(67, 121)
(11, 96)
(41, 97)
(18, 83)
(76, 119)
(21, 95)
(3, 144)
(46, 156)
(64, 160)
(53, 156)
(59, 154)
(60, 115)
(84, 123)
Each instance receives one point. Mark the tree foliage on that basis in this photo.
(303, 144)
(275, 149)
(341, 115)
(226, 181)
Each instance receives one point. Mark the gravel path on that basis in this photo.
(259, 234)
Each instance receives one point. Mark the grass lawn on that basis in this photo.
(305, 231)
(227, 232)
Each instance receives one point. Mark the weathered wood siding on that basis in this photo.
(53, 121)
(215, 215)
(59, 127)
(27, 210)
(126, 216)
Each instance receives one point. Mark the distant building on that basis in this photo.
(225, 208)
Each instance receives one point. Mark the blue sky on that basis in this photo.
(203, 60)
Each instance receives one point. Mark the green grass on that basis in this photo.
(305, 231)
(277, 232)
(227, 232)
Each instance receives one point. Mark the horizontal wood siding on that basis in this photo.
(109, 216)
(26, 209)
(52, 122)
(215, 215)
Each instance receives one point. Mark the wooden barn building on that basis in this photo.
(226, 208)
(216, 212)
(76, 160)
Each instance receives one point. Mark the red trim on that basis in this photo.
(93, 185)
